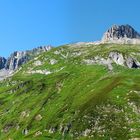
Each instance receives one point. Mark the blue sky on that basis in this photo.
(25, 24)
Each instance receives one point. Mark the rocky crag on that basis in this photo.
(18, 58)
(121, 34)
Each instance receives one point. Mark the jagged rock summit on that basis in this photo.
(117, 34)
(121, 34)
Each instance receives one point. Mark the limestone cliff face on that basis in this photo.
(18, 58)
(121, 34)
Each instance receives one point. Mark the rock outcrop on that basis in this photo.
(123, 34)
(2, 62)
(18, 58)
(114, 57)
(127, 61)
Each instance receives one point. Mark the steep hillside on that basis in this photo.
(75, 91)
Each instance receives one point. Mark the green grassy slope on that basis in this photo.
(74, 101)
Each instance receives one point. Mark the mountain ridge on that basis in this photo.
(117, 34)
(18, 58)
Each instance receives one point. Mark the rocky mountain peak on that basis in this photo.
(120, 32)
